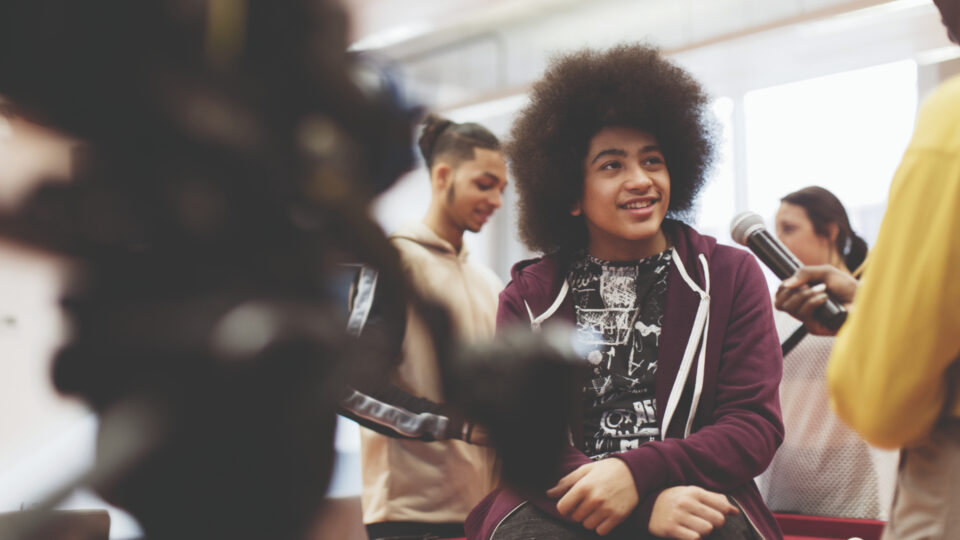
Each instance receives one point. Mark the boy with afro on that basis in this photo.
(680, 409)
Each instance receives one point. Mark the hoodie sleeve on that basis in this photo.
(511, 310)
(746, 428)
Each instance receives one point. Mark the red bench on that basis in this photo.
(799, 527)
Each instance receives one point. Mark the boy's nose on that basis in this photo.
(637, 180)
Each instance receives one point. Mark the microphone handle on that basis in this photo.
(831, 314)
(784, 264)
(773, 254)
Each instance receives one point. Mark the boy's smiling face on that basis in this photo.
(626, 194)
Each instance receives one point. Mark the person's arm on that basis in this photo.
(380, 318)
(887, 374)
(390, 411)
(510, 309)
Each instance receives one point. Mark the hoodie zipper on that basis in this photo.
(504, 518)
(746, 516)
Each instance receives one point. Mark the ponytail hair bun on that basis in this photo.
(433, 127)
(453, 141)
(856, 252)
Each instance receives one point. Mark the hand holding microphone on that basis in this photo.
(809, 289)
(820, 312)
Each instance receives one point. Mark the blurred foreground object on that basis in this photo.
(229, 150)
(228, 153)
(60, 524)
(519, 388)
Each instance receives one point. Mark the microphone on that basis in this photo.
(748, 230)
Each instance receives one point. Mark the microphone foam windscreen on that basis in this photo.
(745, 224)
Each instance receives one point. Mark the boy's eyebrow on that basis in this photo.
(609, 152)
(623, 153)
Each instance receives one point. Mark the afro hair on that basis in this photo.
(580, 94)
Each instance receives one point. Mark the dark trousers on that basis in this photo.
(411, 530)
(530, 523)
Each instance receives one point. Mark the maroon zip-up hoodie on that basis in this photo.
(737, 425)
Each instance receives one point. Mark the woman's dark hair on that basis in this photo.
(443, 137)
(823, 209)
(580, 94)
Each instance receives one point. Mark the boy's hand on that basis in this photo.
(599, 495)
(688, 512)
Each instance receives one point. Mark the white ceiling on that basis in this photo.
(380, 24)
(456, 53)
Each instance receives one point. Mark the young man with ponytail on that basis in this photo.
(421, 474)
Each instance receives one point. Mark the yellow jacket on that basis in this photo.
(891, 374)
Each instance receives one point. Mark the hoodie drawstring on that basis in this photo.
(698, 338)
(535, 322)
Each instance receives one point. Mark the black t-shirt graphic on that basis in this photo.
(619, 310)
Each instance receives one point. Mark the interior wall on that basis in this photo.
(732, 46)
(465, 62)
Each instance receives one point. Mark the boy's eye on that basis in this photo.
(653, 160)
(485, 186)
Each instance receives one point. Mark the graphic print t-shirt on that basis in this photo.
(619, 310)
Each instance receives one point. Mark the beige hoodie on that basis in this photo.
(433, 482)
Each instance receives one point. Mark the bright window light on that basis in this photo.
(846, 132)
(716, 204)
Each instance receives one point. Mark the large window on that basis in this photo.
(846, 132)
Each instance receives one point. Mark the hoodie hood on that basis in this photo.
(543, 287)
(419, 232)
(540, 280)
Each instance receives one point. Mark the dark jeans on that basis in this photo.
(410, 530)
(530, 523)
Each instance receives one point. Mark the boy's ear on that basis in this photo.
(575, 210)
